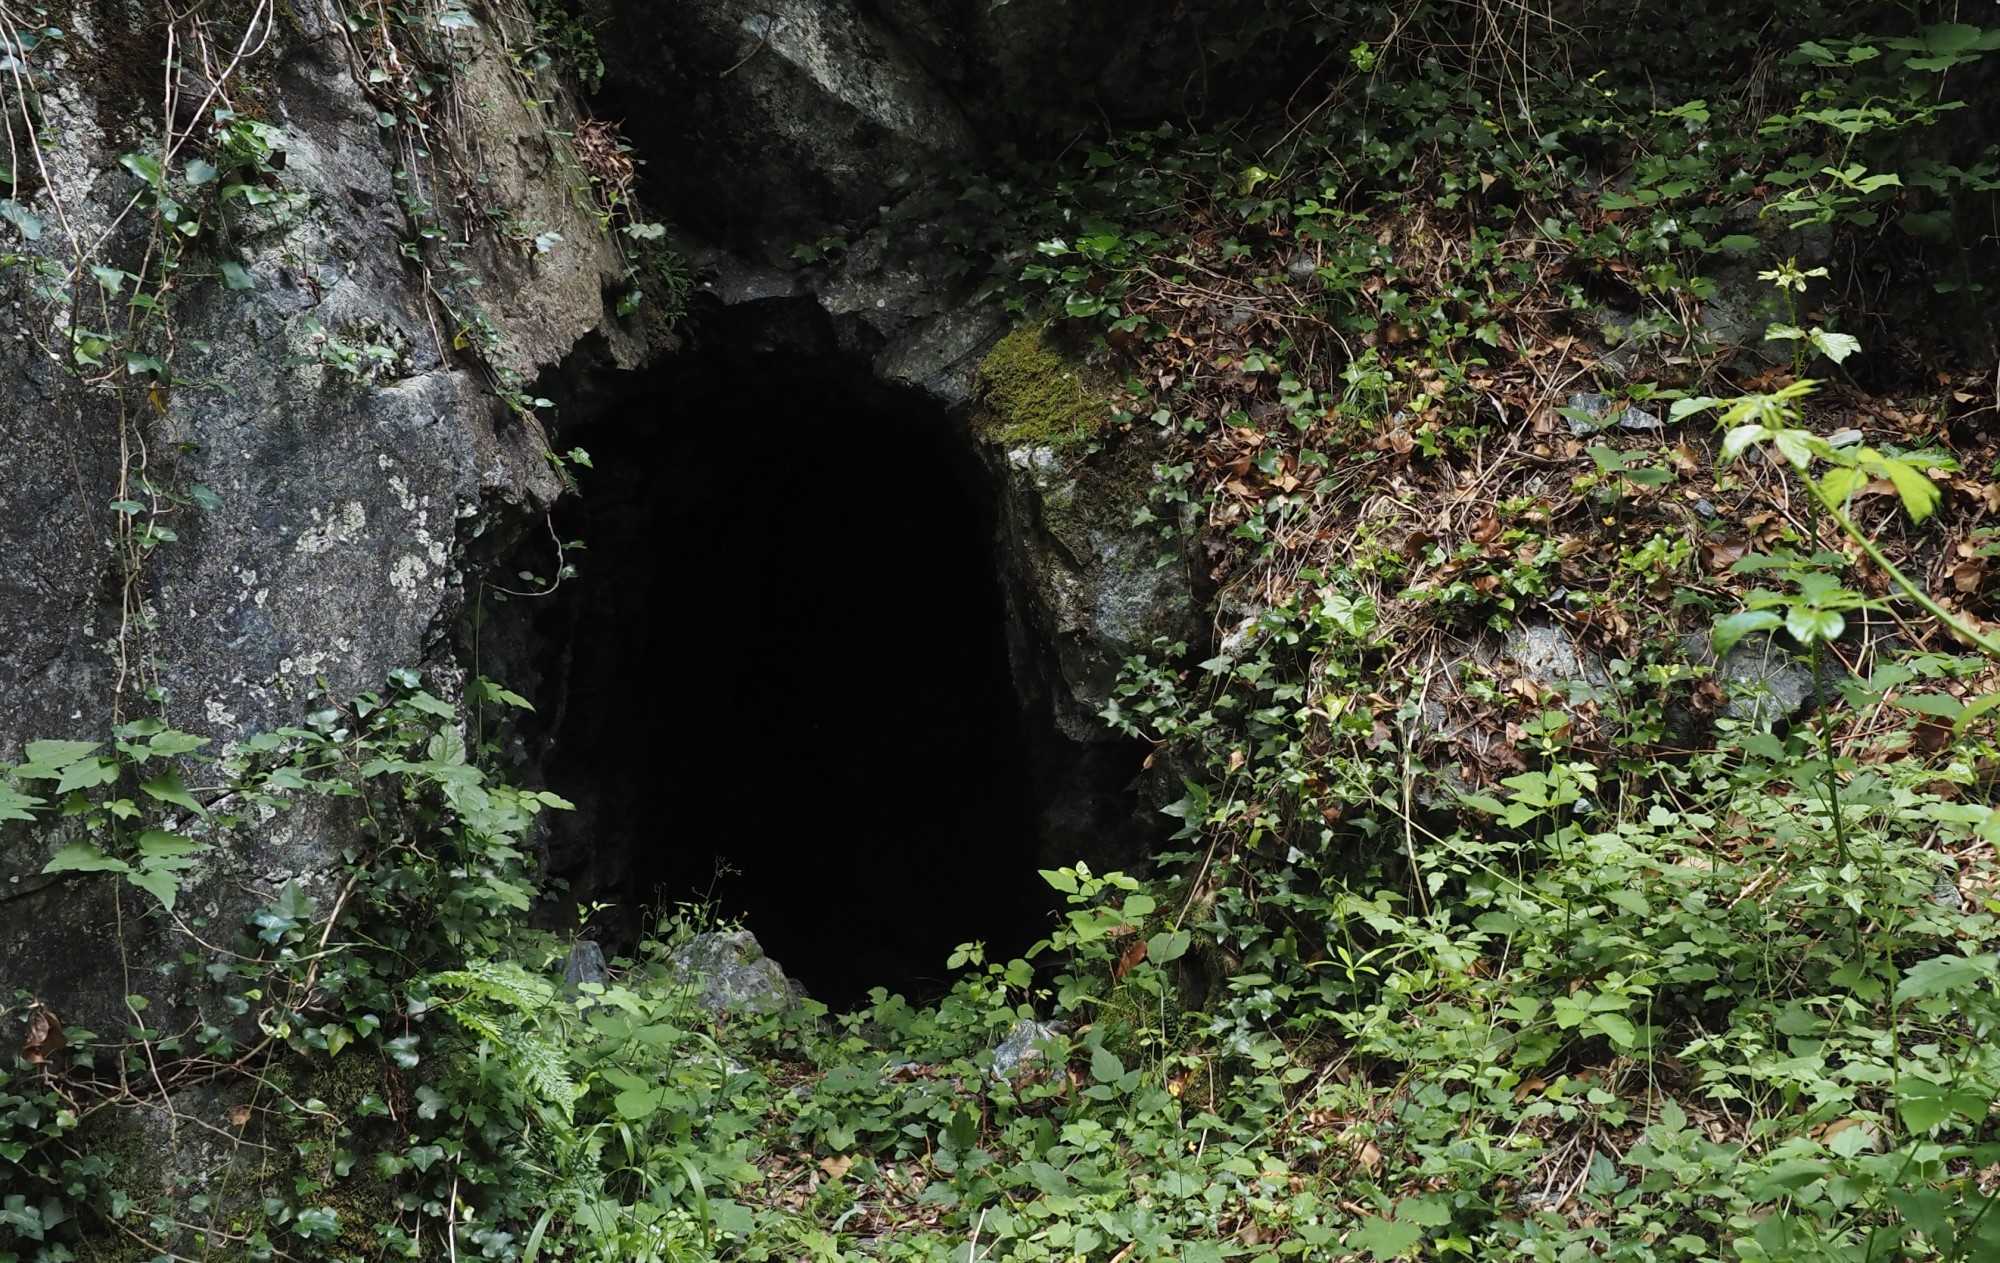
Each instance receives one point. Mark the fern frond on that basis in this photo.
(504, 1004)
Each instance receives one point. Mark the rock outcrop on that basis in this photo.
(329, 440)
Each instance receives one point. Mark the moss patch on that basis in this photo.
(1035, 394)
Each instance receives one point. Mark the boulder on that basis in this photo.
(728, 972)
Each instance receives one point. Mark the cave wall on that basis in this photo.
(347, 515)
(770, 124)
(342, 507)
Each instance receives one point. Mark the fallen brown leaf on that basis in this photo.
(1129, 960)
(45, 1037)
(836, 1167)
(1717, 556)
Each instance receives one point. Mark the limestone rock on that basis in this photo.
(1018, 1052)
(730, 972)
(329, 454)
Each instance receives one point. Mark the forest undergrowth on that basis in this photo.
(1587, 848)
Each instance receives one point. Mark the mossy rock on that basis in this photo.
(1035, 393)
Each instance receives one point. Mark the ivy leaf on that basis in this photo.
(424, 702)
(87, 773)
(1385, 1238)
(167, 788)
(1168, 946)
(22, 218)
(145, 166)
(59, 754)
(157, 882)
(1734, 628)
(15, 805)
(170, 851)
(174, 741)
(200, 172)
(82, 857)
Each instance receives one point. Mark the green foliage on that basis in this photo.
(1666, 980)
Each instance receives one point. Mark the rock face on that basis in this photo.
(1090, 580)
(327, 448)
(332, 432)
(729, 972)
(773, 124)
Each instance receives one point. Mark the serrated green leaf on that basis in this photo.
(1796, 446)
(1943, 705)
(1841, 482)
(1919, 494)
(1834, 346)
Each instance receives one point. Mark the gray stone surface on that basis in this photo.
(1019, 1051)
(1767, 680)
(730, 973)
(1547, 654)
(344, 507)
(585, 965)
(1608, 415)
(784, 122)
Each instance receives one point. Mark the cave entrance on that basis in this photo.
(782, 672)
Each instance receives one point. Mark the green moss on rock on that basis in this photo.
(1035, 394)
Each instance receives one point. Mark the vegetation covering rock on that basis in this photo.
(1501, 921)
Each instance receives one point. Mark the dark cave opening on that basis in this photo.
(780, 674)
